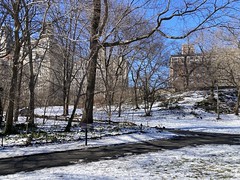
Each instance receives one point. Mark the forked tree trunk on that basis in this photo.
(70, 120)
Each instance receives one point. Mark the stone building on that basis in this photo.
(194, 71)
(47, 55)
(48, 61)
(48, 58)
(6, 41)
(188, 70)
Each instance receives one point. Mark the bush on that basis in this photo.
(207, 104)
(173, 106)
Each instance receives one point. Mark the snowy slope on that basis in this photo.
(202, 162)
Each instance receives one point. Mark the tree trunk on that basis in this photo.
(211, 92)
(135, 81)
(237, 103)
(68, 71)
(31, 100)
(32, 78)
(1, 107)
(12, 93)
(65, 99)
(120, 102)
(136, 97)
(186, 73)
(18, 98)
(66, 86)
(66, 106)
(13, 86)
(91, 78)
(119, 108)
(70, 120)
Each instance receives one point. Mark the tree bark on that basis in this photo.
(135, 88)
(70, 120)
(1, 107)
(12, 93)
(13, 86)
(18, 93)
(67, 71)
(91, 77)
(237, 103)
(65, 89)
(32, 78)
(31, 90)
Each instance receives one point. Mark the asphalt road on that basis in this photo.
(46, 160)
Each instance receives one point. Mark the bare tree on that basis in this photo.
(32, 20)
(230, 65)
(136, 63)
(78, 96)
(204, 11)
(19, 12)
(14, 10)
(153, 75)
(233, 65)
(69, 26)
(113, 69)
(5, 46)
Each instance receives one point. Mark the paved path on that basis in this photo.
(39, 161)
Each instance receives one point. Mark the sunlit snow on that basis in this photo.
(202, 162)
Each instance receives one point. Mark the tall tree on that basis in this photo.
(113, 69)
(153, 73)
(96, 31)
(202, 13)
(14, 10)
(21, 21)
(35, 24)
(69, 25)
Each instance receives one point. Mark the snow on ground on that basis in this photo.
(186, 117)
(202, 162)
(110, 140)
(53, 111)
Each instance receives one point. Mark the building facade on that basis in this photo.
(194, 71)
(189, 70)
(49, 62)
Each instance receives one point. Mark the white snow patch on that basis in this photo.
(202, 162)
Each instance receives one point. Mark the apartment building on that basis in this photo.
(189, 70)
(48, 62)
